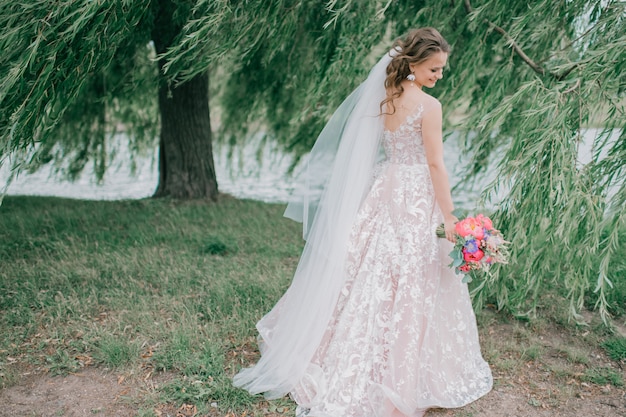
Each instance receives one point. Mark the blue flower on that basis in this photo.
(471, 246)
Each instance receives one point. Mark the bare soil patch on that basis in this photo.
(90, 392)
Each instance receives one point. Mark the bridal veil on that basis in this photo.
(336, 178)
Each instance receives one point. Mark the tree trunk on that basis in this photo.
(186, 167)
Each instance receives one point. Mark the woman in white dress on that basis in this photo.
(375, 323)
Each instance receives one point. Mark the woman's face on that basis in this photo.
(428, 72)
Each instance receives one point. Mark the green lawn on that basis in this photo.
(176, 286)
(174, 289)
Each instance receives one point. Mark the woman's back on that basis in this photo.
(402, 137)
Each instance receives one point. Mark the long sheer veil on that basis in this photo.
(341, 164)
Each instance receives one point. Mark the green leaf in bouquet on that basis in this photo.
(457, 262)
(456, 253)
(467, 278)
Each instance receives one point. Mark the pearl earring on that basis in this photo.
(410, 77)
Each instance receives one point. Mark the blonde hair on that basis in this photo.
(416, 47)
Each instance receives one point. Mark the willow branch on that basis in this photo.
(536, 67)
(572, 88)
(566, 72)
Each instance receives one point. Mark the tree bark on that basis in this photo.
(186, 166)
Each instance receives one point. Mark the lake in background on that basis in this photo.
(241, 176)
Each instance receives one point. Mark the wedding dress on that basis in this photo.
(403, 337)
(374, 323)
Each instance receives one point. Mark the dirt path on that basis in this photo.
(90, 392)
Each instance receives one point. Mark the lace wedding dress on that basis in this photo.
(403, 336)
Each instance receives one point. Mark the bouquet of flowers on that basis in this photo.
(478, 246)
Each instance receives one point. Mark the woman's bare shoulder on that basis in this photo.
(430, 102)
(419, 98)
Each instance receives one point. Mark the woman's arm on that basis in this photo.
(433, 145)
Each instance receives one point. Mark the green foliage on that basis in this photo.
(185, 391)
(60, 363)
(616, 348)
(288, 67)
(615, 296)
(557, 210)
(603, 376)
(70, 75)
(115, 352)
(214, 246)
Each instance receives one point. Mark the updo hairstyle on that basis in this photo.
(416, 47)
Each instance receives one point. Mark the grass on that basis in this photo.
(161, 284)
(616, 348)
(175, 288)
(604, 376)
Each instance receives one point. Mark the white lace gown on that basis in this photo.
(403, 337)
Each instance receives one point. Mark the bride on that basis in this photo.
(375, 324)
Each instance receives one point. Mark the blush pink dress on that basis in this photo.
(403, 336)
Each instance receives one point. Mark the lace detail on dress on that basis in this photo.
(403, 337)
(405, 145)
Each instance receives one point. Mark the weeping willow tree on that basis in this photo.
(526, 83)
(73, 73)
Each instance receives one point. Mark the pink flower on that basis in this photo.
(486, 221)
(473, 257)
(465, 268)
(470, 226)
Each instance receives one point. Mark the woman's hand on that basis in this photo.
(448, 227)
